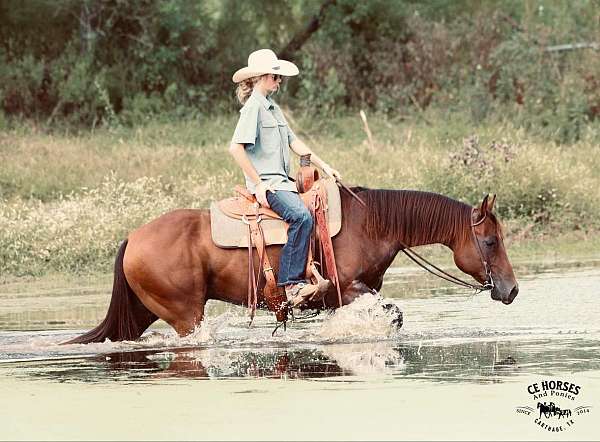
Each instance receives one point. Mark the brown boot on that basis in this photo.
(298, 293)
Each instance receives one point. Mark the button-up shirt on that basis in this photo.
(266, 136)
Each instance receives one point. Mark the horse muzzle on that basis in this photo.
(505, 295)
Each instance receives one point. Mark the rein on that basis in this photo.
(419, 260)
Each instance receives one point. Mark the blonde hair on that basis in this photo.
(244, 89)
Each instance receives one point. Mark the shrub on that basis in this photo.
(80, 232)
(551, 191)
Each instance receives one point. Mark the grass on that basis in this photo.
(68, 198)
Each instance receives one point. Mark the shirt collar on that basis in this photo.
(265, 101)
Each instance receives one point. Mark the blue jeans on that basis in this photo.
(294, 254)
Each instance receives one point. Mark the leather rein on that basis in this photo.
(419, 260)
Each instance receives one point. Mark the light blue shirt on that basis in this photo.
(266, 136)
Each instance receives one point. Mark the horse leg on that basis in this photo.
(184, 317)
(355, 289)
(186, 324)
(358, 288)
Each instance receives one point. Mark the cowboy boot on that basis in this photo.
(297, 294)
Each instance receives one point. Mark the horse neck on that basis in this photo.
(414, 218)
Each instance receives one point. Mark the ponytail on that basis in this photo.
(244, 89)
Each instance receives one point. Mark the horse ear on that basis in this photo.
(484, 205)
(490, 206)
(481, 211)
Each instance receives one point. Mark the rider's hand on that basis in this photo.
(331, 172)
(261, 193)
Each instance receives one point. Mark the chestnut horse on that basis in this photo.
(170, 267)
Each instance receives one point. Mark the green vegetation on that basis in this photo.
(120, 62)
(68, 200)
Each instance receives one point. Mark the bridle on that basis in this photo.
(420, 260)
(489, 281)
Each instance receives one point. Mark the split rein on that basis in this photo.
(419, 260)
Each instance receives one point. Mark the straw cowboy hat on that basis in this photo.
(264, 61)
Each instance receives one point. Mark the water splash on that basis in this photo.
(204, 334)
(363, 319)
(32, 345)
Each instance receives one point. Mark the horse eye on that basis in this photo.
(490, 242)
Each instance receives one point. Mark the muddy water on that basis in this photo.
(458, 368)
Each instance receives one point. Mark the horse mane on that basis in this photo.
(414, 217)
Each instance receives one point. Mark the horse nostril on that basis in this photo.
(514, 292)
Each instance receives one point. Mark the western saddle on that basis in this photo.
(245, 209)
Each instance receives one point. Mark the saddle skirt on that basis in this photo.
(228, 229)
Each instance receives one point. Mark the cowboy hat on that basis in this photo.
(264, 61)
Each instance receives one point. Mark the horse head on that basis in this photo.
(483, 256)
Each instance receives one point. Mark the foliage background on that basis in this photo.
(98, 62)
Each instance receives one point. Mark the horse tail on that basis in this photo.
(127, 318)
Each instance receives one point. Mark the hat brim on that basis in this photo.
(285, 68)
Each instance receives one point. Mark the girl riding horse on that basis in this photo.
(260, 146)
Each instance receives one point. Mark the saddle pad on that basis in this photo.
(230, 232)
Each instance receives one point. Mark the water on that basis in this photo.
(457, 369)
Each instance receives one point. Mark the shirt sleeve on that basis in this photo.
(246, 130)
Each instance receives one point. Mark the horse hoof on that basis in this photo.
(394, 311)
